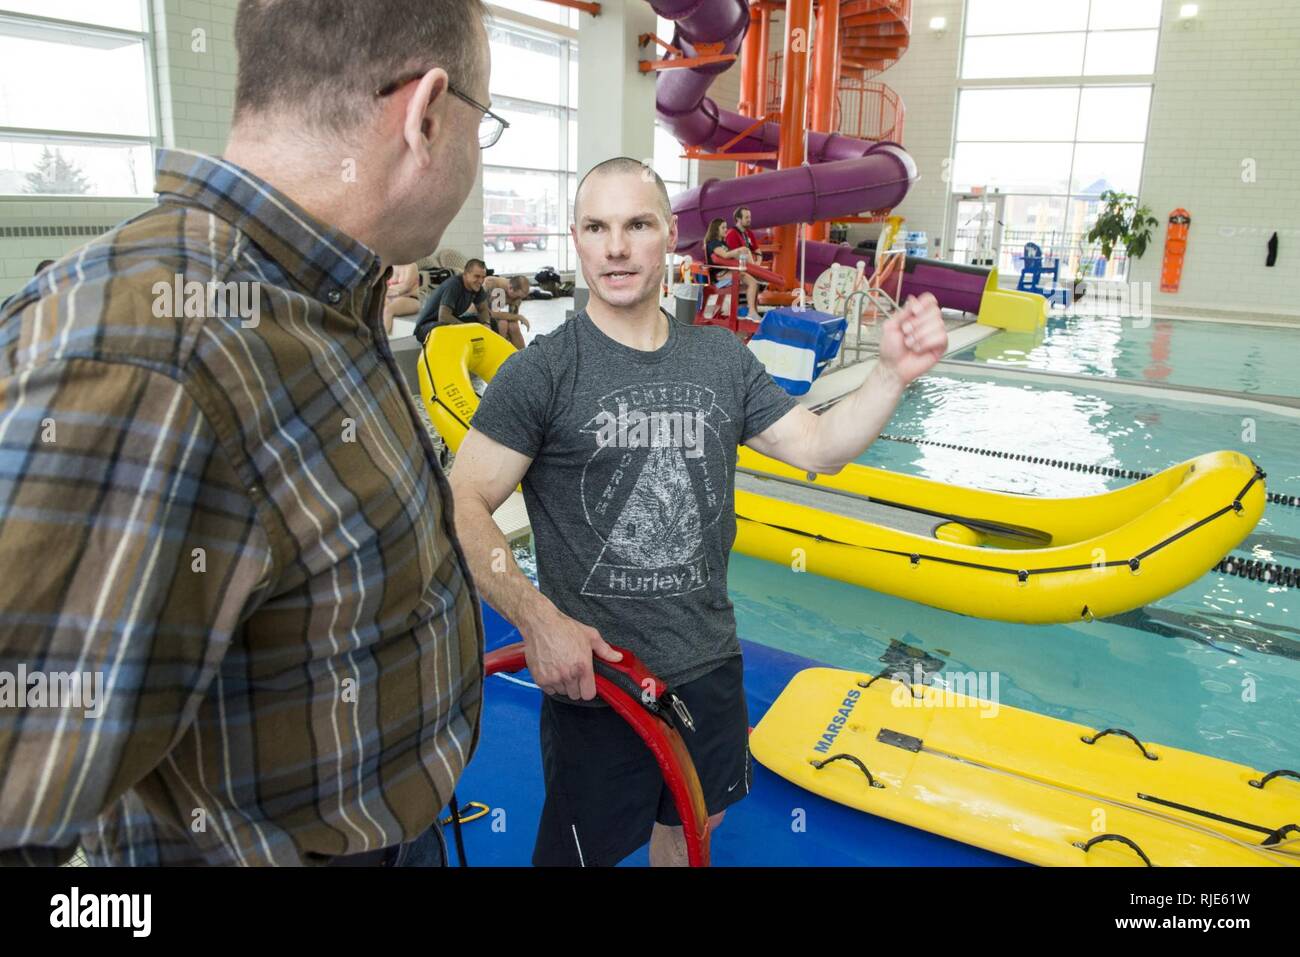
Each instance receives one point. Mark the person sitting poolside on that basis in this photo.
(460, 299)
(715, 249)
(740, 236)
(402, 297)
(504, 298)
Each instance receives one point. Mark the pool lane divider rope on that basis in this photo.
(1267, 573)
(1274, 498)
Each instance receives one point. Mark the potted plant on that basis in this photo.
(1079, 285)
(1122, 222)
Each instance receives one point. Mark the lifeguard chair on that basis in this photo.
(720, 300)
(1035, 268)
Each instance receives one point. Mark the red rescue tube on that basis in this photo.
(665, 744)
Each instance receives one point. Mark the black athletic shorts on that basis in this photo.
(604, 790)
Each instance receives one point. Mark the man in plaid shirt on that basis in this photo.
(217, 504)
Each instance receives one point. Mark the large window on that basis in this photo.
(528, 176)
(561, 16)
(1052, 111)
(668, 160)
(1012, 38)
(76, 100)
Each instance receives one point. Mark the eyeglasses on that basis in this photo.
(490, 127)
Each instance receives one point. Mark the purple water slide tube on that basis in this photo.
(803, 194)
(843, 176)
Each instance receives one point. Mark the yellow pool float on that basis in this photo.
(987, 554)
(1031, 787)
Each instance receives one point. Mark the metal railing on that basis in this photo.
(1071, 248)
(869, 110)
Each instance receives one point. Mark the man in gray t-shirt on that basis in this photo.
(624, 430)
(629, 493)
(459, 299)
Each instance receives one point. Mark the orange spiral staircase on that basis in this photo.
(855, 41)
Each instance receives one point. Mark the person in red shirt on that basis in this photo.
(740, 235)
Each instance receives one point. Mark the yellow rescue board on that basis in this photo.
(1019, 783)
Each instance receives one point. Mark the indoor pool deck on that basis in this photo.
(778, 824)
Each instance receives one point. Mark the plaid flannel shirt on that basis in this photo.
(217, 499)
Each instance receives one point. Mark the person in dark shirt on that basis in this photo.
(633, 534)
(460, 299)
(717, 252)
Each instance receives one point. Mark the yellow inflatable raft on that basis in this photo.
(1031, 787)
(450, 355)
(987, 554)
(996, 555)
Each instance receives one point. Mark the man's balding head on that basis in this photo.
(623, 230)
(355, 105)
(626, 166)
(324, 59)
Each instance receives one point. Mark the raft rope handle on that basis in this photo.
(1274, 498)
(1127, 734)
(1272, 834)
(889, 674)
(1279, 773)
(1275, 839)
(855, 761)
(1101, 838)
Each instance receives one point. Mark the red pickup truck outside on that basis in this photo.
(503, 230)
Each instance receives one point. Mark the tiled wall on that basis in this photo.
(1224, 143)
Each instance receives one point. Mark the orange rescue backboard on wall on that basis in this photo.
(1171, 271)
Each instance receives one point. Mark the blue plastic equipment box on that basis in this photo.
(796, 346)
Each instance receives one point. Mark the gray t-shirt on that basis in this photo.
(452, 294)
(630, 492)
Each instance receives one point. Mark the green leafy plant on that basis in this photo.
(1082, 271)
(1122, 222)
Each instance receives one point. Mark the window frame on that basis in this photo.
(567, 39)
(1081, 82)
(55, 136)
(570, 53)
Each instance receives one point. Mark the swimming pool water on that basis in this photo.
(1213, 668)
(1185, 352)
